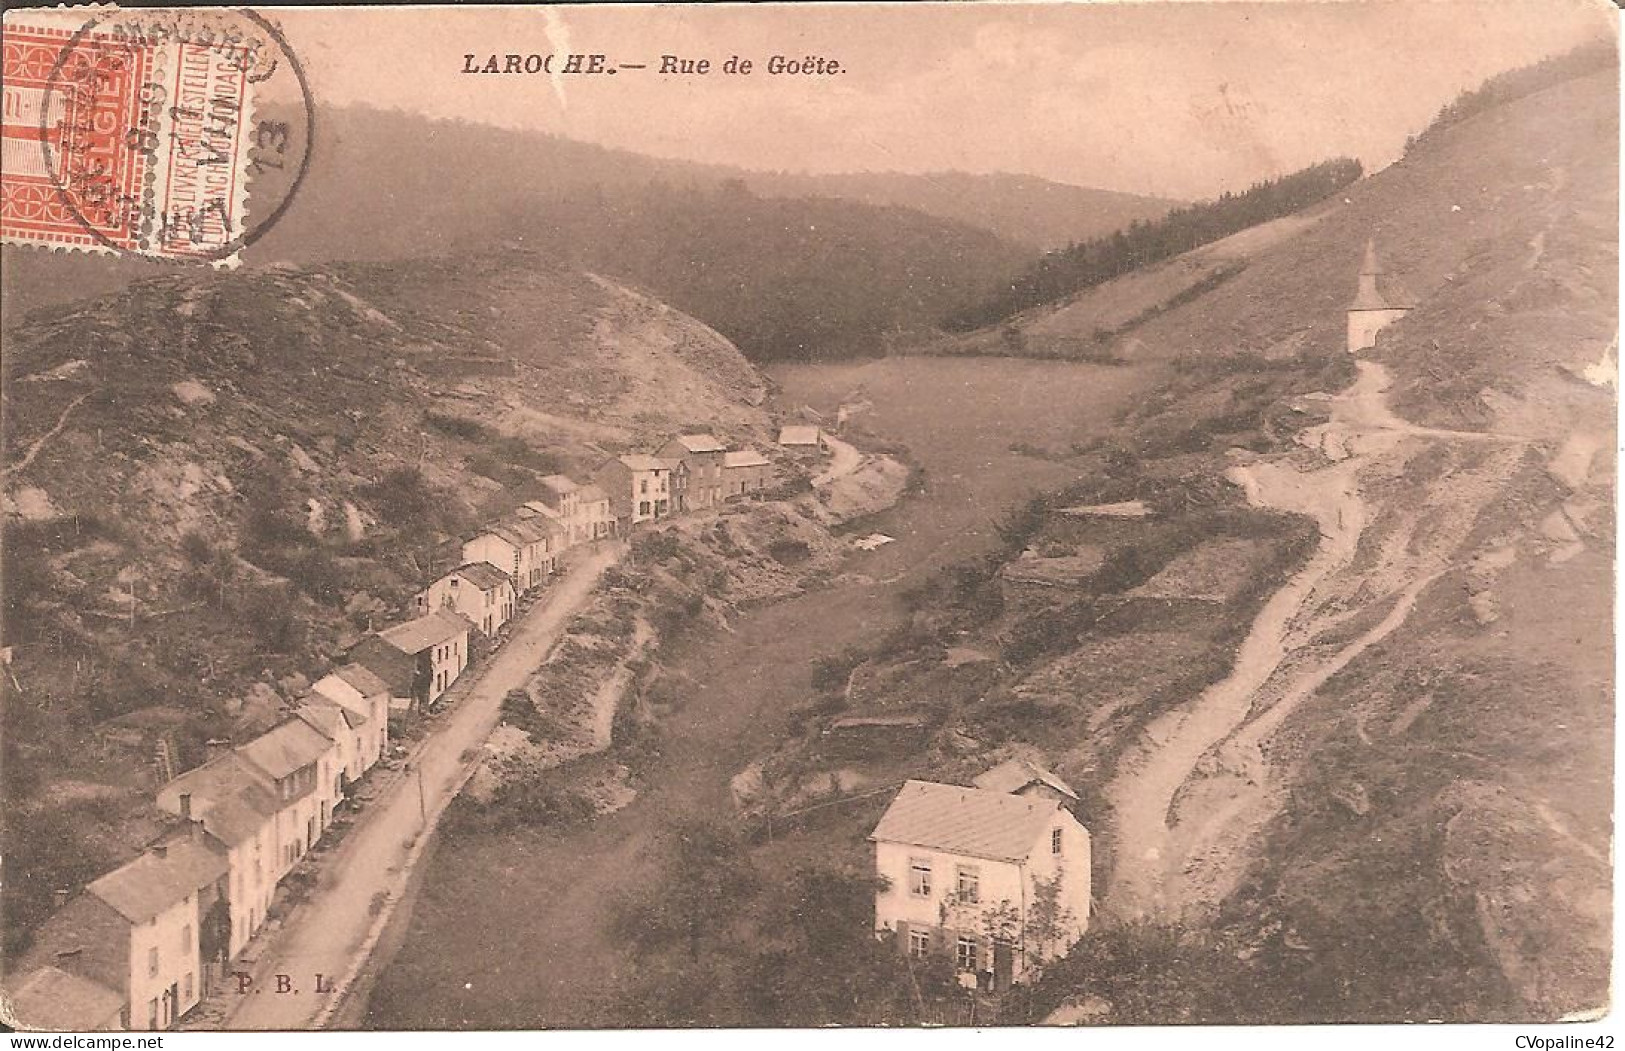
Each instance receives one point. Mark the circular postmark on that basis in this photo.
(177, 135)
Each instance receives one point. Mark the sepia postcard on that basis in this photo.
(782, 515)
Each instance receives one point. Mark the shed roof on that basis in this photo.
(1013, 775)
(798, 434)
(744, 458)
(286, 747)
(431, 629)
(162, 877)
(701, 443)
(970, 821)
(52, 1000)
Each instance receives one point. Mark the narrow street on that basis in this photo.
(331, 933)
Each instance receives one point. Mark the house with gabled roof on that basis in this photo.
(526, 547)
(478, 591)
(995, 881)
(1022, 777)
(139, 931)
(581, 509)
(745, 471)
(641, 488)
(237, 806)
(701, 455)
(298, 761)
(434, 645)
(49, 999)
(366, 695)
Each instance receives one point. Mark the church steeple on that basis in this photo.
(1379, 301)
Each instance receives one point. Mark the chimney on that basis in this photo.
(186, 806)
(160, 850)
(217, 746)
(60, 897)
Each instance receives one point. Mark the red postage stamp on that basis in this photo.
(118, 139)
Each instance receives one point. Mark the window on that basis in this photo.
(186, 988)
(967, 883)
(152, 1014)
(965, 953)
(186, 939)
(643, 486)
(643, 507)
(152, 962)
(919, 943)
(1054, 841)
(919, 878)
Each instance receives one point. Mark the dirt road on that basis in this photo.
(1197, 779)
(331, 933)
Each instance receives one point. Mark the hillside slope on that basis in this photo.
(1408, 815)
(781, 275)
(1025, 209)
(216, 482)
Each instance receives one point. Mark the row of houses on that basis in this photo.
(141, 946)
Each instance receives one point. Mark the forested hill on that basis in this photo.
(1081, 266)
(783, 265)
(1022, 208)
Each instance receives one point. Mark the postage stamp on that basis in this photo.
(129, 136)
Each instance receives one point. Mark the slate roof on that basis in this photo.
(229, 797)
(700, 443)
(642, 462)
(52, 1000)
(970, 821)
(364, 681)
(1013, 775)
(482, 575)
(431, 629)
(744, 458)
(145, 887)
(324, 716)
(290, 745)
(798, 435)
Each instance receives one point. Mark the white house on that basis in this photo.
(298, 762)
(437, 644)
(1379, 302)
(360, 691)
(525, 547)
(479, 591)
(140, 932)
(1000, 882)
(238, 807)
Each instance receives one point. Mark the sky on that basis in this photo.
(1179, 99)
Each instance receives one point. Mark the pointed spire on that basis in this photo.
(1370, 265)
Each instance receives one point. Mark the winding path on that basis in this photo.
(1198, 771)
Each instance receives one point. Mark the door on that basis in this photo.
(1004, 966)
(172, 997)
